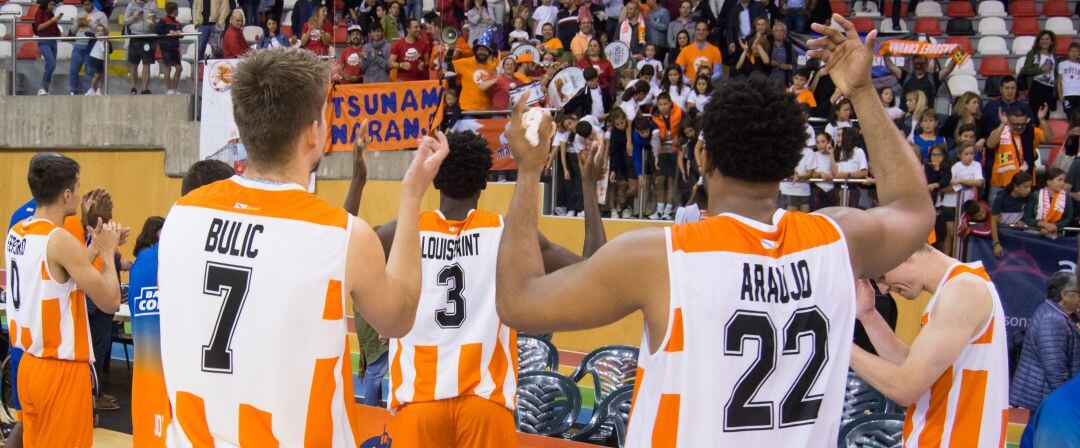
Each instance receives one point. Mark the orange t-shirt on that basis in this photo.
(691, 58)
(805, 96)
(471, 73)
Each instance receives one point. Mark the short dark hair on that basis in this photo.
(205, 172)
(1057, 283)
(641, 123)
(1054, 172)
(971, 207)
(1017, 111)
(463, 173)
(276, 95)
(1006, 79)
(966, 128)
(171, 7)
(804, 72)
(1074, 45)
(590, 73)
(49, 175)
(754, 130)
(584, 129)
(647, 70)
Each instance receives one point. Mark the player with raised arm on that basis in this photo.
(254, 273)
(759, 351)
(453, 376)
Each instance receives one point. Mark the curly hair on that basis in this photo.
(754, 131)
(464, 172)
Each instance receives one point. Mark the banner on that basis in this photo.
(912, 48)
(218, 137)
(492, 130)
(398, 113)
(1021, 274)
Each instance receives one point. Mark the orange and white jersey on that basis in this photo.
(457, 345)
(46, 318)
(252, 309)
(758, 338)
(968, 404)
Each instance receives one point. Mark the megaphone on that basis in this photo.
(449, 35)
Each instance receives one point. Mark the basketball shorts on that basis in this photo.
(667, 162)
(468, 421)
(16, 355)
(57, 402)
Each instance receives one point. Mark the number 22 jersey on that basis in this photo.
(758, 339)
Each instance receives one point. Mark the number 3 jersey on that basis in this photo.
(758, 338)
(457, 345)
(252, 307)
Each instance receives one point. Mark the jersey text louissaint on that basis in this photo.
(436, 248)
(770, 284)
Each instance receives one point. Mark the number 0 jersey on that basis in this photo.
(252, 314)
(457, 345)
(758, 338)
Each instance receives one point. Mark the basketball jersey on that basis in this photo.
(46, 318)
(968, 405)
(252, 313)
(150, 411)
(457, 345)
(758, 339)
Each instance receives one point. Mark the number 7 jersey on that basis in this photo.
(758, 339)
(457, 345)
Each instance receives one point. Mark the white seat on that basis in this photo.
(959, 84)
(287, 21)
(155, 70)
(183, 15)
(63, 51)
(3, 30)
(886, 27)
(866, 9)
(189, 28)
(992, 8)
(289, 5)
(967, 68)
(1018, 66)
(5, 49)
(928, 9)
(252, 34)
(67, 13)
(993, 46)
(189, 52)
(23, 2)
(185, 70)
(1022, 45)
(12, 9)
(993, 26)
(1062, 26)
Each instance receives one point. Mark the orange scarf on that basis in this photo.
(1007, 159)
(1051, 206)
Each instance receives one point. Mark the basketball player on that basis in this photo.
(748, 314)
(954, 378)
(454, 375)
(50, 273)
(254, 272)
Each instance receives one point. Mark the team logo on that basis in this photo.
(480, 76)
(699, 62)
(412, 55)
(768, 244)
(146, 303)
(354, 59)
(380, 441)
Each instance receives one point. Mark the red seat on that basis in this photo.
(960, 9)
(1056, 8)
(887, 12)
(1060, 128)
(1023, 8)
(340, 35)
(994, 66)
(24, 30)
(863, 24)
(286, 30)
(1061, 48)
(963, 42)
(72, 2)
(928, 26)
(840, 8)
(1025, 26)
(339, 5)
(30, 13)
(28, 51)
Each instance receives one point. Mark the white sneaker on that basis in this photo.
(654, 216)
(667, 209)
(42, 92)
(170, 92)
(666, 217)
(614, 214)
(560, 211)
(626, 214)
(89, 92)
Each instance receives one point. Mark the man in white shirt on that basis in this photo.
(545, 13)
(1069, 79)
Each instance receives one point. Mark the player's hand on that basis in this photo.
(125, 232)
(425, 164)
(529, 158)
(359, 152)
(847, 59)
(97, 204)
(865, 299)
(107, 237)
(592, 164)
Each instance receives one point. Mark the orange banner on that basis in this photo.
(492, 131)
(930, 50)
(375, 422)
(398, 113)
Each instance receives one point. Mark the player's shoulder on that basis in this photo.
(286, 202)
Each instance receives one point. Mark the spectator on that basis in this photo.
(171, 29)
(1039, 71)
(593, 100)
(685, 23)
(80, 51)
(273, 37)
(95, 64)
(921, 77)
(756, 50)
(1069, 80)
(1012, 146)
(938, 171)
(699, 96)
(714, 13)
(479, 19)
(675, 86)
(739, 23)
(580, 44)
(650, 59)
(586, 134)
(207, 14)
(233, 43)
(1050, 209)
(452, 12)
(301, 13)
(682, 39)
(701, 53)
(1054, 423)
(608, 18)
(1009, 207)
(507, 79)
(1051, 353)
(624, 180)
(995, 109)
(595, 58)
(824, 166)
(564, 131)
(518, 33)
(840, 119)
(45, 26)
(888, 99)
(928, 136)
(666, 120)
(409, 55)
(250, 9)
(783, 58)
(795, 191)
(140, 17)
(632, 98)
(391, 22)
(965, 110)
(966, 178)
(549, 42)
(645, 141)
(317, 33)
(476, 74)
(803, 93)
(851, 162)
(348, 69)
(658, 19)
(546, 13)
(645, 75)
(795, 14)
(915, 104)
(687, 161)
(375, 58)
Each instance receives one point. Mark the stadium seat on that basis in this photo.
(1062, 26)
(888, 9)
(72, 2)
(1062, 46)
(548, 403)
(11, 9)
(189, 52)
(5, 50)
(288, 19)
(611, 367)
(960, 9)
(863, 24)
(1022, 45)
(966, 68)
(992, 46)
(841, 8)
(992, 8)
(994, 66)
(960, 26)
(1056, 8)
(67, 13)
(252, 34)
(536, 354)
(928, 26)
(30, 13)
(1060, 128)
(183, 15)
(960, 84)
(289, 5)
(24, 30)
(887, 28)
(286, 30)
(1023, 8)
(28, 51)
(189, 28)
(867, 9)
(1019, 65)
(993, 26)
(928, 9)
(340, 35)
(963, 42)
(1026, 26)
(63, 51)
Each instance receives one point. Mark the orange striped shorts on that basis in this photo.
(58, 409)
(467, 421)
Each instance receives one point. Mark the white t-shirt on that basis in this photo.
(1048, 77)
(631, 107)
(658, 69)
(806, 165)
(811, 137)
(579, 142)
(1070, 77)
(965, 172)
(856, 163)
(834, 129)
(678, 96)
(690, 213)
(650, 97)
(597, 102)
(821, 164)
(561, 137)
(698, 100)
(895, 113)
(544, 14)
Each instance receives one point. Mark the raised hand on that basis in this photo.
(847, 59)
(529, 158)
(865, 298)
(592, 161)
(360, 145)
(107, 238)
(426, 161)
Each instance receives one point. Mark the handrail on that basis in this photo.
(119, 37)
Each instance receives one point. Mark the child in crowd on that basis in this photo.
(686, 143)
(563, 135)
(623, 178)
(928, 137)
(966, 135)
(1050, 208)
(967, 178)
(649, 59)
(171, 28)
(633, 98)
(700, 94)
(824, 166)
(840, 118)
(675, 86)
(645, 76)
(452, 109)
(587, 135)
(645, 141)
(545, 14)
(976, 220)
(666, 120)
(795, 191)
(851, 163)
(888, 99)
(1009, 207)
(1069, 80)
(803, 93)
(96, 65)
(938, 171)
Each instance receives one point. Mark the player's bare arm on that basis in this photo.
(359, 177)
(67, 257)
(906, 214)
(387, 294)
(887, 344)
(960, 313)
(556, 257)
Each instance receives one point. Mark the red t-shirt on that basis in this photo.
(602, 66)
(316, 45)
(350, 65)
(233, 44)
(43, 15)
(413, 53)
(500, 92)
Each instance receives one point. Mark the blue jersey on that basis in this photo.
(1055, 422)
(150, 405)
(24, 211)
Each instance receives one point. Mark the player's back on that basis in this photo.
(758, 340)
(968, 405)
(251, 300)
(457, 345)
